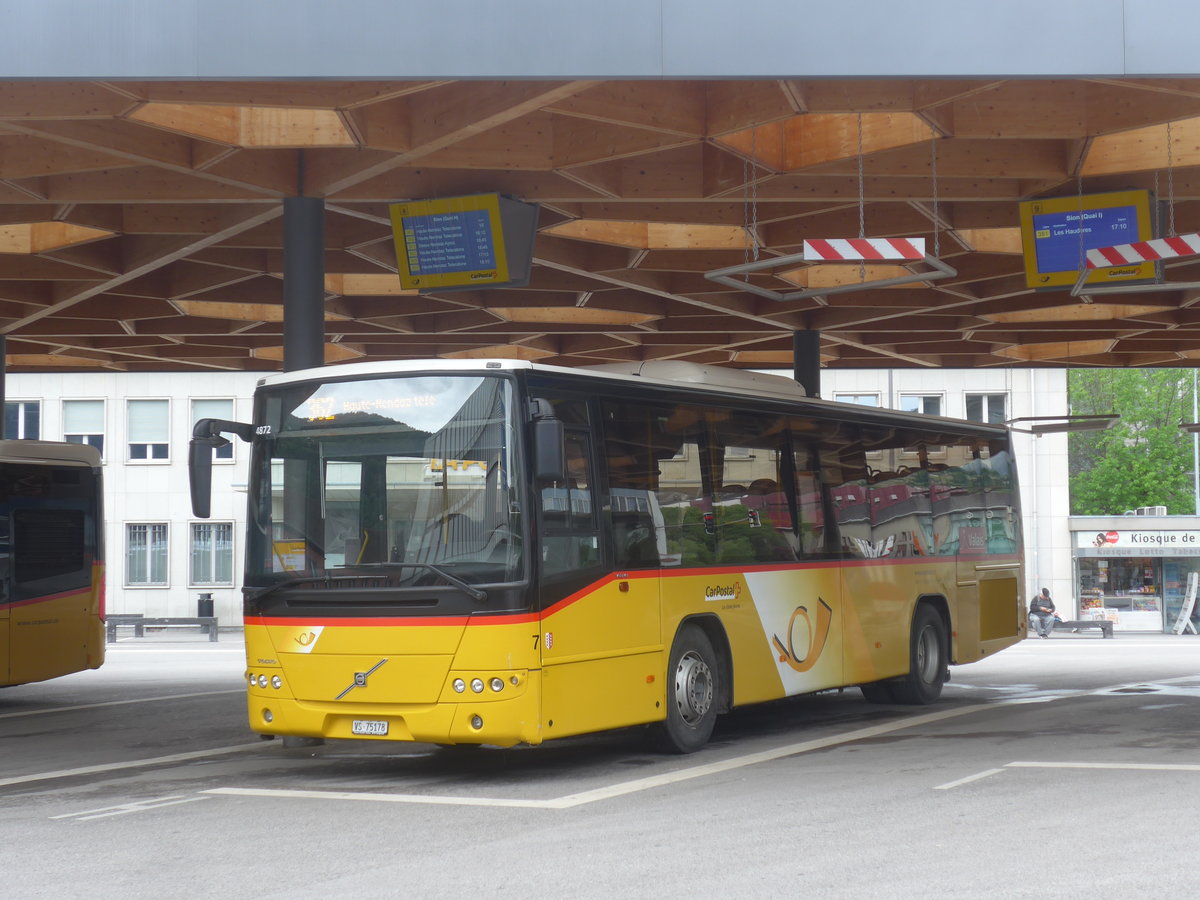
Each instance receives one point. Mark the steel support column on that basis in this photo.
(806, 361)
(303, 282)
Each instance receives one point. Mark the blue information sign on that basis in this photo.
(449, 242)
(1058, 242)
(1057, 232)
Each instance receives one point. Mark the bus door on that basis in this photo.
(967, 511)
(51, 610)
(599, 633)
(996, 550)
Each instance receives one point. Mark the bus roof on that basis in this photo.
(666, 372)
(676, 374)
(48, 451)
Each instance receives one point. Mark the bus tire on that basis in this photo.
(927, 660)
(693, 693)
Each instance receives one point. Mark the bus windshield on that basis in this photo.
(409, 479)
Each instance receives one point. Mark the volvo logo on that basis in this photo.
(360, 679)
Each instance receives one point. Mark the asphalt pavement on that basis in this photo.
(141, 780)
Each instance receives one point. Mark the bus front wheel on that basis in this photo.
(692, 693)
(927, 662)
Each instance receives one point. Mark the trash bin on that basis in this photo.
(204, 605)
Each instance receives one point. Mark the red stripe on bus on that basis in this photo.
(560, 605)
(46, 598)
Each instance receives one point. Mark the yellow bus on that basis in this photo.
(51, 560)
(503, 552)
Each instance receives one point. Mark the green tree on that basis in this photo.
(1144, 459)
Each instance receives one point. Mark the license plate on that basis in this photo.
(368, 726)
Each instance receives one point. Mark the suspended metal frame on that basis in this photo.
(1175, 247)
(728, 275)
(904, 251)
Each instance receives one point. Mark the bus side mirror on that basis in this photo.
(206, 437)
(549, 455)
(200, 453)
(549, 450)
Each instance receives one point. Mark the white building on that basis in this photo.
(161, 558)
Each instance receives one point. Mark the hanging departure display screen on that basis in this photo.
(1056, 234)
(457, 243)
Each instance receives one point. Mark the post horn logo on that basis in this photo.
(818, 633)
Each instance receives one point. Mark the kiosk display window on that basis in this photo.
(1125, 590)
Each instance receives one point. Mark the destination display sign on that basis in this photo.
(453, 242)
(1056, 234)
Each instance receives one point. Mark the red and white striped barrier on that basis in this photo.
(1144, 251)
(858, 249)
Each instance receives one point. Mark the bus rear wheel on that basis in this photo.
(692, 693)
(927, 660)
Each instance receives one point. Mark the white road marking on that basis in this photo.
(58, 709)
(626, 787)
(131, 764)
(643, 784)
(125, 808)
(427, 799)
(976, 777)
(1143, 767)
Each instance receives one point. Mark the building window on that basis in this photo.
(146, 554)
(215, 409)
(860, 399)
(212, 553)
(23, 420)
(83, 423)
(987, 408)
(149, 424)
(925, 404)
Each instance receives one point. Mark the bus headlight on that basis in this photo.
(276, 682)
(459, 685)
(262, 681)
(497, 684)
(477, 685)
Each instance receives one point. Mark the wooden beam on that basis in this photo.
(181, 251)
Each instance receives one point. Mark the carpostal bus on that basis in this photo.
(51, 560)
(499, 552)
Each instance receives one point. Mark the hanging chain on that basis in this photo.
(1079, 221)
(750, 199)
(1170, 182)
(754, 192)
(862, 219)
(746, 211)
(937, 220)
(862, 202)
(1158, 225)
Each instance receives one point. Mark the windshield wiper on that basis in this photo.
(301, 579)
(473, 592)
(470, 589)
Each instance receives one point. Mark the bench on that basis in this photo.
(1103, 624)
(139, 623)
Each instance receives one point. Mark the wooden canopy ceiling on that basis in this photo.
(141, 223)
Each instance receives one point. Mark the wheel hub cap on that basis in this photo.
(693, 688)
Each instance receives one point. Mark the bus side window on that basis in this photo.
(570, 540)
(752, 505)
(809, 501)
